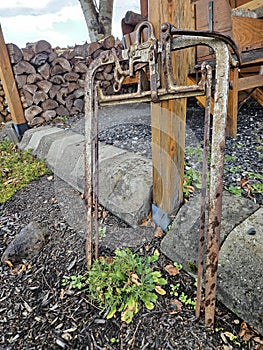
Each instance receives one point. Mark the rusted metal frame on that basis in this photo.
(91, 191)
(217, 162)
(217, 150)
(145, 96)
(88, 167)
(204, 189)
(96, 171)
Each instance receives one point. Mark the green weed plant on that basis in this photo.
(17, 169)
(122, 283)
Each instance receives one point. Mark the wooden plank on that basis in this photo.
(258, 96)
(9, 84)
(222, 22)
(247, 32)
(250, 82)
(254, 5)
(200, 99)
(232, 103)
(168, 118)
(144, 8)
(236, 3)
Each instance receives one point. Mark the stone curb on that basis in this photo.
(125, 178)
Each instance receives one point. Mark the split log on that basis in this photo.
(80, 67)
(62, 111)
(57, 79)
(28, 54)
(15, 53)
(108, 76)
(61, 61)
(81, 82)
(79, 92)
(30, 88)
(23, 67)
(39, 96)
(26, 98)
(31, 112)
(71, 76)
(79, 104)
(72, 87)
(34, 78)
(52, 56)
(108, 42)
(44, 85)
(53, 91)
(93, 47)
(69, 101)
(48, 114)
(21, 80)
(39, 59)
(40, 46)
(57, 70)
(44, 70)
(38, 120)
(49, 104)
(61, 94)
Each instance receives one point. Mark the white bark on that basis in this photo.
(99, 20)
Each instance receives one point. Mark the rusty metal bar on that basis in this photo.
(217, 161)
(88, 189)
(147, 52)
(203, 190)
(96, 171)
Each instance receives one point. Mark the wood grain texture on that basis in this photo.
(168, 117)
(9, 84)
(247, 33)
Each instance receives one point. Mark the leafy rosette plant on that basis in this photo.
(124, 282)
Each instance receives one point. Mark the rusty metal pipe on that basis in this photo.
(203, 190)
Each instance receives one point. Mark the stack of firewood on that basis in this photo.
(4, 110)
(51, 82)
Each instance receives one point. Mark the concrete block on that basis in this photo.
(54, 157)
(181, 242)
(32, 137)
(240, 282)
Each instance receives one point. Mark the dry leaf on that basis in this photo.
(229, 335)
(135, 279)
(147, 220)
(9, 263)
(160, 290)
(172, 270)
(245, 332)
(148, 247)
(258, 340)
(158, 233)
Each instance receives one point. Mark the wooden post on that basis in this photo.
(168, 118)
(9, 85)
(144, 8)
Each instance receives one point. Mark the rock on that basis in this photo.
(27, 244)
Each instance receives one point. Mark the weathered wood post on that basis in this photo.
(10, 89)
(168, 118)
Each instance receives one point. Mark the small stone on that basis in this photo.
(252, 231)
(27, 244)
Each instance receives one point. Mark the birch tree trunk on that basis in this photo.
(98, 19)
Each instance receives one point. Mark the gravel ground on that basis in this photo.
(37, 312)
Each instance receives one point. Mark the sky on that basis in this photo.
(60, 22)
